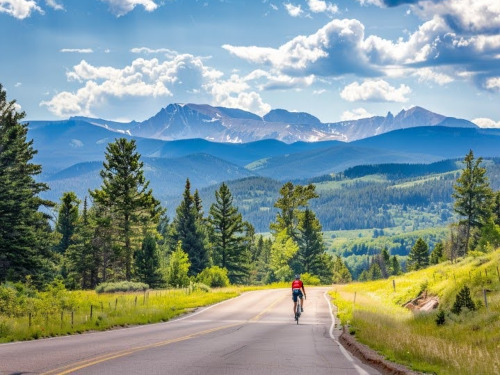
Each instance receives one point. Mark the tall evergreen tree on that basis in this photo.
(147, 262)
(472, 195)
(418, 257)
(25, 236)
(187, 231)
(132, 205)
(67, 219)
(82, 256)
(310, 241)
(230, 249)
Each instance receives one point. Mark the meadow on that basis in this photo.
(56, 311)
(467, 343)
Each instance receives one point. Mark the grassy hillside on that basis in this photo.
(467, 343)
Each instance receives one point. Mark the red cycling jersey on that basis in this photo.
(297, 284)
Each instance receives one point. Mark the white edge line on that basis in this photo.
(342, 349)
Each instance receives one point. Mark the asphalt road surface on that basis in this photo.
(254, 333)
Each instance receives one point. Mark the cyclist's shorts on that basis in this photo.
(296, 293)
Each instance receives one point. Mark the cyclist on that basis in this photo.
(297, 290)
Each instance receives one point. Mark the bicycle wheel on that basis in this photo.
(297, 312)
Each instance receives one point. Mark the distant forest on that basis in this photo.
(371, 196)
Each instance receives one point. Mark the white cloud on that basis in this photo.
(142, 78)
(54, 4)
(355, 114)
(18, 84)
(375, 90)
(147, 51)
(77, 50)
(121, 7)
(430, 75)
(493, 83)
(20, 9)
(179, 76)
(486, 123)
(236, 93)
(477, 16)
(320, 6)
(335, 49)
(293, 10)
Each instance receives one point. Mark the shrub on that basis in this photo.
(122, 286)
(440, 318)
(201, 287)
(309, 279)
(213, 277)
(462, 300)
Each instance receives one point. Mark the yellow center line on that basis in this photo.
(122, 353)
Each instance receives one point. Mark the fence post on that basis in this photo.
(144, 298)
(116, 302)
(486, 272)
(394, 284)
(29, 316)
(102, 307)
(498, 273)
(485, 298)
(354, 302)
(62, 314)
(135, 302)
(72, 318)
(91, 311)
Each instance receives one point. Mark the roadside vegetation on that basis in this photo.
(443, 341)
(27, 314)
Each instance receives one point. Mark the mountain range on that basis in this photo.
(219, 124)
(71, 151)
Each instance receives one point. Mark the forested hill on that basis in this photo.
(407, 196)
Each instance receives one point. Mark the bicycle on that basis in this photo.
(298, 310)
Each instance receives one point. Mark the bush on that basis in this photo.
(440, 318)
(214, 277)
(122, 286)
(309, 279)
(462, 300)
(201, 287)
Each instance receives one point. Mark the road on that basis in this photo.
(254, 333)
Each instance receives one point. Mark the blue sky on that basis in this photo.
(126, 59)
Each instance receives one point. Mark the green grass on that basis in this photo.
(109, 310)
(468, 343)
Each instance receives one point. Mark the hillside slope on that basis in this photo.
(378, 318)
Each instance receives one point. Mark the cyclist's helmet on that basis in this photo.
(297, 277)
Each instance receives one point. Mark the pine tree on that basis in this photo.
(395, 266)
(341, 274)
(375, 273)
(125, 191)
(230, 248)
(25, 235)
(437, 254)
(418, 257)
(310, 241)
(82, 256)
(462, 300)
(187, 231)
(147, 262)
(472, 195)
(66, 220)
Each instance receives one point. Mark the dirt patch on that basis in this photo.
(423, 303)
